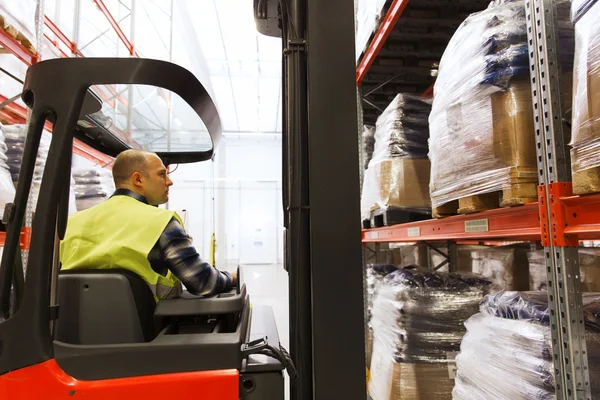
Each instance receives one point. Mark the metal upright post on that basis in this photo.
(564, 286)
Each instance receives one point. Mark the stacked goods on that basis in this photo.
(18, 19)
(505, 266)
(368, 143)
(585, 152)
(418, 322)
(375, 275)
(589, 267)
(398, 173)
(405, 254)
(507, 351)
(368, 14)
(14, 136)
(92, 186)
(7, 189)
(482, 146)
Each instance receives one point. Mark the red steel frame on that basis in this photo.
(386, 27)
(574, 219)
(113, 22)
(518, 223)
(16, 48)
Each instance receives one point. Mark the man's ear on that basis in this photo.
(137, 179)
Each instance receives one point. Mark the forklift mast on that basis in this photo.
(321, 192)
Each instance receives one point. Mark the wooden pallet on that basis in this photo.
(521, 191)
(18, 36)
(393, 216)
(587, 181)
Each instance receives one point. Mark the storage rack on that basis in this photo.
(559, 220)
(61, 45)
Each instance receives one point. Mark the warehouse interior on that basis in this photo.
(407, 198)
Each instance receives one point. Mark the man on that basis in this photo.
(129, 232)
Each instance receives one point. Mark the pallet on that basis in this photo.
(519, 193)
(18, 36)
(380, 17)
(393, 216)
(587, 181)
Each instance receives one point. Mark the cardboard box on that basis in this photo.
(486, 143)
(513, 128)
(589, 266)
(390, 380)
(506, 266)
(421, 381)
(397, 182)
(586, 85)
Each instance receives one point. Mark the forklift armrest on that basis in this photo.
(188, 305)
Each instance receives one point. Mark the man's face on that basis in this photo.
(156, 184)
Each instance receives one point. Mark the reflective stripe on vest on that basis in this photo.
(119, 233)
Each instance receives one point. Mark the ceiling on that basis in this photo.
(244, 67)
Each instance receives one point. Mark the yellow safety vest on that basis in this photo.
(119, 233)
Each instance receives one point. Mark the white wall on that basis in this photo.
(245, 179)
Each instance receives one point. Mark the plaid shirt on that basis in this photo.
(174, 251)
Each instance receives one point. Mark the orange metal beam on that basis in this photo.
(113, 22)
(60, 35)
(386, 27)
(15, 47)
(517, 223)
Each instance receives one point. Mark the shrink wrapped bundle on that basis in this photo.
(368, 13)
(585, 142)
(506, 353)
(92, 186)
(418, 322)
(368, 143)
(481, 123)
(589, 267)
(7, 189)
(18, 18)
(398, 173)
(375, 276)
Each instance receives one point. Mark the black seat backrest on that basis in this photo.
(106, 306)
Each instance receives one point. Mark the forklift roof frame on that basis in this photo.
(25, 337)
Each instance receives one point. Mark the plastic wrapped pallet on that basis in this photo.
(14, 136)
(507, 352)
(398, 173)
(418, 322)
(92, 186)
(585, 151)
(482, 141)
(7, 189)
(505, 266)
(18, 18)
(589, 267)
(368, 143)
(368, 14)
(374, 277)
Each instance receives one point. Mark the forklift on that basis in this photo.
(63, 337)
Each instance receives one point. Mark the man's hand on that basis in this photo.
(234, 279)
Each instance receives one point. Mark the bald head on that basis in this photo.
(142, 172)
(127, 163)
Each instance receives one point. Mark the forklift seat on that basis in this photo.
(104, 306)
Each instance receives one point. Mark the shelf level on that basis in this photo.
(517, 223)
(15, 47)
(384, 30)
(17, 114)
(581, 215)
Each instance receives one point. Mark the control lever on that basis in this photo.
(262, 346)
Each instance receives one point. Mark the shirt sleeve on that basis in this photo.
(182, 259)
